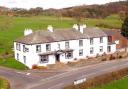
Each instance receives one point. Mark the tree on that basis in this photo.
(124, 29)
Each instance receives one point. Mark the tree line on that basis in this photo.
(89, 11)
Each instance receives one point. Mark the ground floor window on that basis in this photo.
(109, 48)
(81, 52)
(17, 56)
(101, 48)
(91, 50)
(44, 59)
(69, 55)
(24, 58)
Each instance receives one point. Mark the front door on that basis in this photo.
(58, 57)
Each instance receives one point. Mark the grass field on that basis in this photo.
(12, 63)
(4, 84)
(12, 27)
(119, 84)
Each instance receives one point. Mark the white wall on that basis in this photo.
(32, 57)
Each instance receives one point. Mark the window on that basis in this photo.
(58, 46)
(91, 41)
(81, 52)
(38, 48)
(66, 45)
(109, 38)
(17, 46)
(24, 58)
(109, 48)
(80, 42)
(69, 55)
(101, 39)
(48, 47)
(101, 48)
(91, 50)
(44, 59)
(24, 48)
(17, 56)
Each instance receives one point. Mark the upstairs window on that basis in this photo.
(67, 45)
(109, 38)
(44, 59)
(101, 48)
(18, 46)
(91, 41)
(38, 48)
(80, 43)
(91, 50)
(81, 52)
(101, 39)
(24, 50)
(48, 47)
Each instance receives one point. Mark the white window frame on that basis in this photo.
(68, 55)
(44, 59)
(91, 41)
(38, 48)
(101, 39)
(67, 45)
(80, 43)
(101, 49)
(24, 58)
(91, 50)
(48, 47)
(81, 52)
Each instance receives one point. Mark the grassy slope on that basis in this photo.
(119, 84)
(4, 84)
(18, 25)
(12, 63)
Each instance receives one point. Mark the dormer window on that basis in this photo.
(48, 47)
(38, 48)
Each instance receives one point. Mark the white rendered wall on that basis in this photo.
(32, 57)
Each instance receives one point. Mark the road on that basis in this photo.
(22, 81)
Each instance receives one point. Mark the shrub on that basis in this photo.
(34, 66)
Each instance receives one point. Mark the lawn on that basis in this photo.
(118, 84)
(4, 84)
(12, 63)
(12, 27)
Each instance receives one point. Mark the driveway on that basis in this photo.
(24, 80)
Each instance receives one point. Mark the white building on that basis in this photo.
(48, 47)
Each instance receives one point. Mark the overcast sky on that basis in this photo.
(50, 3)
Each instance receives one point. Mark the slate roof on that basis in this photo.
(60, 35)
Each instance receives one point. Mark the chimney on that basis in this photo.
(27, 32)
(50, 28)
(82, 28)
(75, 26)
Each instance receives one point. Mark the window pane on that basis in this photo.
(44, 59)
(48, 47)
(66, 45)
(91, 50)
(69, 55)
(91, 41)
(38, 48)
(81, 52)
(80, 42)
